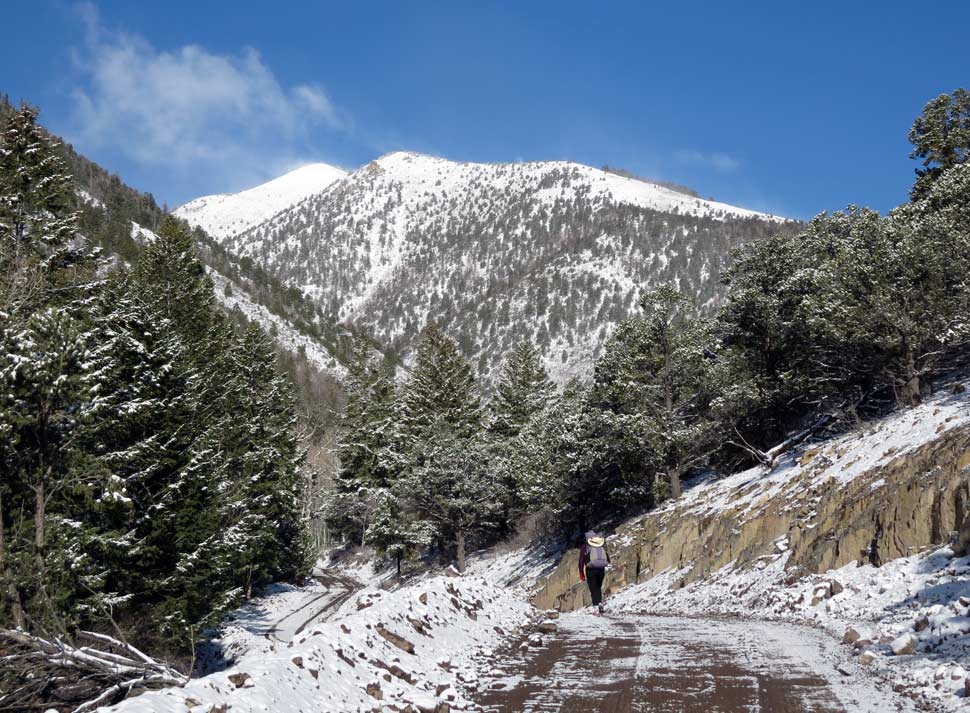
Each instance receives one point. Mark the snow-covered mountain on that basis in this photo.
(556, 252)
(226, 214)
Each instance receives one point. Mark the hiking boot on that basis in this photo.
(602, 610)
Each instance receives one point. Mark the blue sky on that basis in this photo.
(793, 108)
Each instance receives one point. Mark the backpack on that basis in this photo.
(596, 557)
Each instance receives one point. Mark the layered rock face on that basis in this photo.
(894, 489)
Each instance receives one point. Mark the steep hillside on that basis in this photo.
(556, 252)
(123, 219)
(849, 532)
(227, 214)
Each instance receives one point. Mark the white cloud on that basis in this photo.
(718, 161)
(182, 107)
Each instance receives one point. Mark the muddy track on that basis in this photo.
(633, 664)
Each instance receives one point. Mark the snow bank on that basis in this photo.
(264, 622)
(418, 645)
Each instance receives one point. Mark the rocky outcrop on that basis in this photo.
(823, 508)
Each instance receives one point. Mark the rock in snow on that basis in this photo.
(905, 644)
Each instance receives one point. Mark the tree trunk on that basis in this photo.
(909, 393)
(673, 476)
(11, 594)
(40, 519)
(461, 549)
(399, 566)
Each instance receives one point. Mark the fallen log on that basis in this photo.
(95, 675)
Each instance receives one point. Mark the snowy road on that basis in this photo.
(275, 618)
(337, 590)
(631, 663)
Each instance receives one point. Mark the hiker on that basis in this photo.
(593, 559)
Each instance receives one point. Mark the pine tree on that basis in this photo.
(130, 453)
(771, 338)
(38, 224)
(265, 468)
(940, 136)
(441, 395)
(369, 443)
(454, 491)
(393, 531)
(655, 378)
(440, 420)
(45, 391)
(893, 294)
(576, 465)
(173, 282)
(522, 391)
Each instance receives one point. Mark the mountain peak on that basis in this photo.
(226, 214)
(554, 252)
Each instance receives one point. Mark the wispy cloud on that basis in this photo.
(718, 161)
(187, 106)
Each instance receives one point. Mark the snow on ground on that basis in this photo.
(381, 651)
(89, 199)
(225, 214)
(142, 235)
(926, 597)
(844, 458)
(255, 627)
(281, 330)
(520, 568)
(657, 663)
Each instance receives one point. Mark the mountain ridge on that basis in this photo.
(555, 252)
(223, 214)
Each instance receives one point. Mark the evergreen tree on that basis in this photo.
(393, 531)
(453, 490)
(578, 465)
(264, 528)
(771, 337)
(895, 293)
(655, 379)
(441, 395)
(368, 448)
(440, 419)
(38, 224)
(940, 137)
(172, 281)
(45, 391)
(130, 453)
(522, 391)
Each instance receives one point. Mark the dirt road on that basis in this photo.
(338, 590)
(608, 664)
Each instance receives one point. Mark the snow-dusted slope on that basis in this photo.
(232, 297)
(226, 214)
(555, 252)
(420, 174)
(414, 649)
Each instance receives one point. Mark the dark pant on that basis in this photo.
(594, 578)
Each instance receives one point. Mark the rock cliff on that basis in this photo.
(892, 489)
